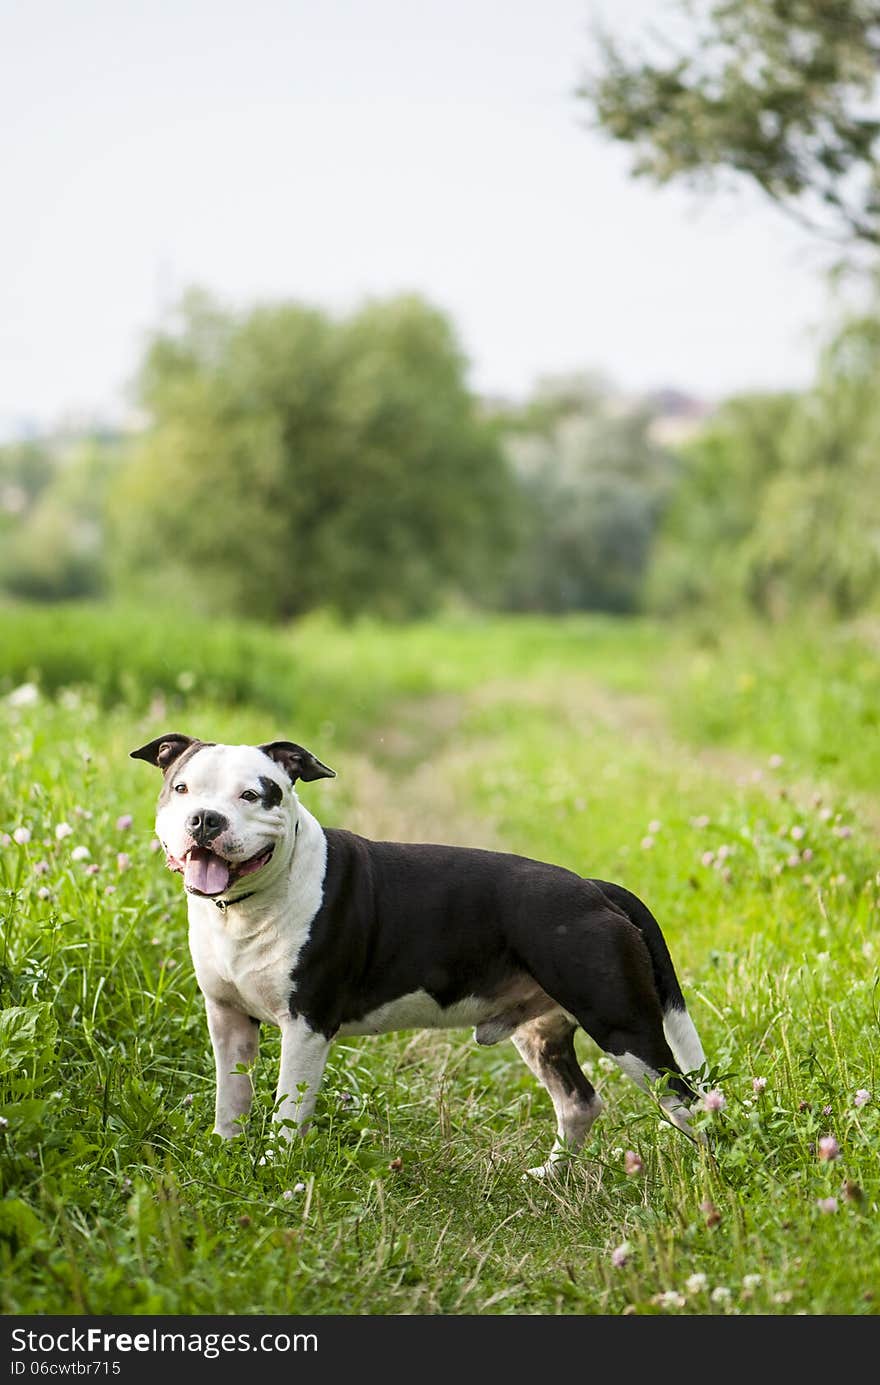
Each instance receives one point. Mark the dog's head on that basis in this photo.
(227, 813)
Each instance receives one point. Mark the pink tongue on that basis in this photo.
(205, 872)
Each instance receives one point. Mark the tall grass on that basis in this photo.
(591, 743)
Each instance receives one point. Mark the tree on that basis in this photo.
(817, 539)
(52, 532)
(781, 92)
(296, 462)
(592, 487)
(724, 475)
(778, 503)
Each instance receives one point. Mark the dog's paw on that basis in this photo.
(541, 1171)
(559, 1164)
(554, 1168)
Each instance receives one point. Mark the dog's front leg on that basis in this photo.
(303, 1055)
(235, 1038)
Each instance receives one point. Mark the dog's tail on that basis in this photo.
(678, 1026)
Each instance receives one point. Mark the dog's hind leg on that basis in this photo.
(546, 1045)
(604, 980)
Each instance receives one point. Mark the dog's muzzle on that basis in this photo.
(206, 873)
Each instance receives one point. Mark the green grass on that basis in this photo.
(620, 749)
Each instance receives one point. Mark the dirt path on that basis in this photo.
(406, 790)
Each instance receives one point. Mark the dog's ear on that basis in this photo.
(296, 761)
(164, 750)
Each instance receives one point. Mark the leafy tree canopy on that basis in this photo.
(297, 461)
(778, 503)
(593, 485)
(782, 92)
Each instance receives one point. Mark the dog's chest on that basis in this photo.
(250, 972)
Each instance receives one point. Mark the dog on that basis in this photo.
(323, 933)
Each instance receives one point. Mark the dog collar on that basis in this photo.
(223, 904)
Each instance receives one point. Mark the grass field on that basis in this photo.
(730, 778)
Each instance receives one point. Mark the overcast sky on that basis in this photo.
(326, 150)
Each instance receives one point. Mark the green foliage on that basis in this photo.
(723, 478)
(778, 504)
(592, 488)
(129, 655)
(25, 469)
(818, 532)
(52, 526)
(779, 92)
(297, 462)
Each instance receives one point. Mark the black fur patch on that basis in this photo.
(272, 792)
(455, 921)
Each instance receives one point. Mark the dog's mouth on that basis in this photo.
(206, 873)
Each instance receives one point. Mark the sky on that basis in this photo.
(332, 150)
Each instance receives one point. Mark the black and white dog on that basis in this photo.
(325, 933)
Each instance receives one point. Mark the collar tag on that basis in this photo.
(223, 904)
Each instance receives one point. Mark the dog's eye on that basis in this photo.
(249, 796)
(180, 788)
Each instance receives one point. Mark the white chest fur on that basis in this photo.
(244, 955)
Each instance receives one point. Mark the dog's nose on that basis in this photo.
(204, 825)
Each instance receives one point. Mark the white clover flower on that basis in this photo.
(670, 1298)
(26, 695)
